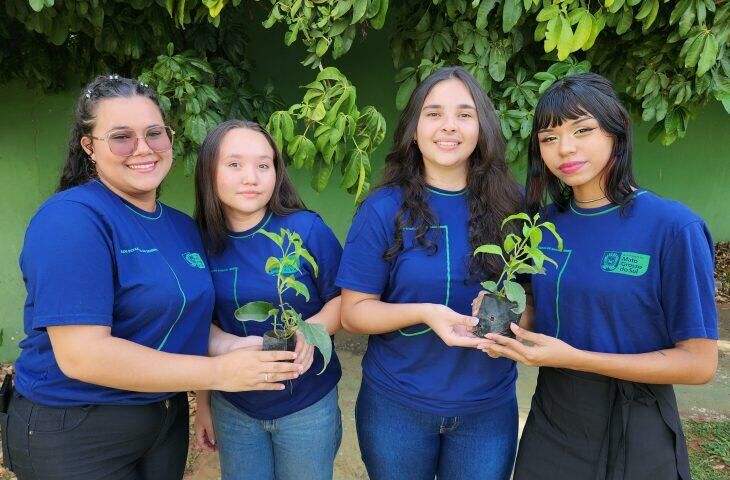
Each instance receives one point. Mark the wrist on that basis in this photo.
(428, 312)
(215, 373)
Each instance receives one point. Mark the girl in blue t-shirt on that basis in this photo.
(242, 189)
(628, 311)
(118, 309)
(429, 405)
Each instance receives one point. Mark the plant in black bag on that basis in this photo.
(505, 299)
(287, 321)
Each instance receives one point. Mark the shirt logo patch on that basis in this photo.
(625, 263)
(194, 260)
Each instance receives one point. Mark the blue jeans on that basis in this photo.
(299, 446)
(397, 442)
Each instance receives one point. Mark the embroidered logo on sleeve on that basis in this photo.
(194, 260)
(625, 263)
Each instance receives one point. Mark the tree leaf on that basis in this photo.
(254, 312)
(358, 10)
(708, 55)
(511, 14)
(551, 11)
(565, 42)
(485, 6)
(316, 334)
(497, 63)
(582, 31)
(695, 50)
(378, 20)
(404, 92)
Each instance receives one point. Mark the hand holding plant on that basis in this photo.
(506, 299)
(287, 322)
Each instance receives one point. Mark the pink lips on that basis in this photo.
(571, 167)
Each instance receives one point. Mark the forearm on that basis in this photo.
(673, 365)
(329, 316)
(114, 362)
(371, 316)
(202, 399)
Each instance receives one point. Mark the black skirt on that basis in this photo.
(584, 426)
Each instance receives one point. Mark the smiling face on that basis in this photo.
(134, 177)
(245, 176)
(577, 152)
(448, 128)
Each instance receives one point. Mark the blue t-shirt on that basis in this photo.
(414, 366)
(239, 277)
(91, 258)
(635, 281)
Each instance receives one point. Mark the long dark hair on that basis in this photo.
(491, 192)
(79, 168)
(568, 99)
(209, 213)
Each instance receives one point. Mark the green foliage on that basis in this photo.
(666, 58)
(325, 26)
(335, 133)
(286, 320)
(521, 255)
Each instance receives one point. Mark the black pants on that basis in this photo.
(585, 426)
(109, 442)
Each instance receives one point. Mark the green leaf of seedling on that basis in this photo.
(516, 293)
(509, 243)
(272, 265)
(516, 216)
(255, 312)
(308, 257)
(548, 259)
(489, 248)
(490, 286)
(537, 257)
(535, 237)
(315, 334)
(528, 269)
(549, 226)
(277, 239)
(298, 287)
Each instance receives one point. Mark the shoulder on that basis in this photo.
(75, 206)
(179, 217)
(304, 222)
(384, 200)
(670, 214)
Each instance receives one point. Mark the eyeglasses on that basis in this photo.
(123, 142)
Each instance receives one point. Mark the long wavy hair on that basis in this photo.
(209, 213)
(568, 99)
(78, 168)
(491, 192)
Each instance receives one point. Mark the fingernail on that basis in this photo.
(474, 321)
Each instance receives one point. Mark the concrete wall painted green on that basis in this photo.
(34, 129)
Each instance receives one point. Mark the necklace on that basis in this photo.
(589, 201)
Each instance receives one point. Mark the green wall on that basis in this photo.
(34, 129)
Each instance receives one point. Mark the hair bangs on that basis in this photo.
(556, 107)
